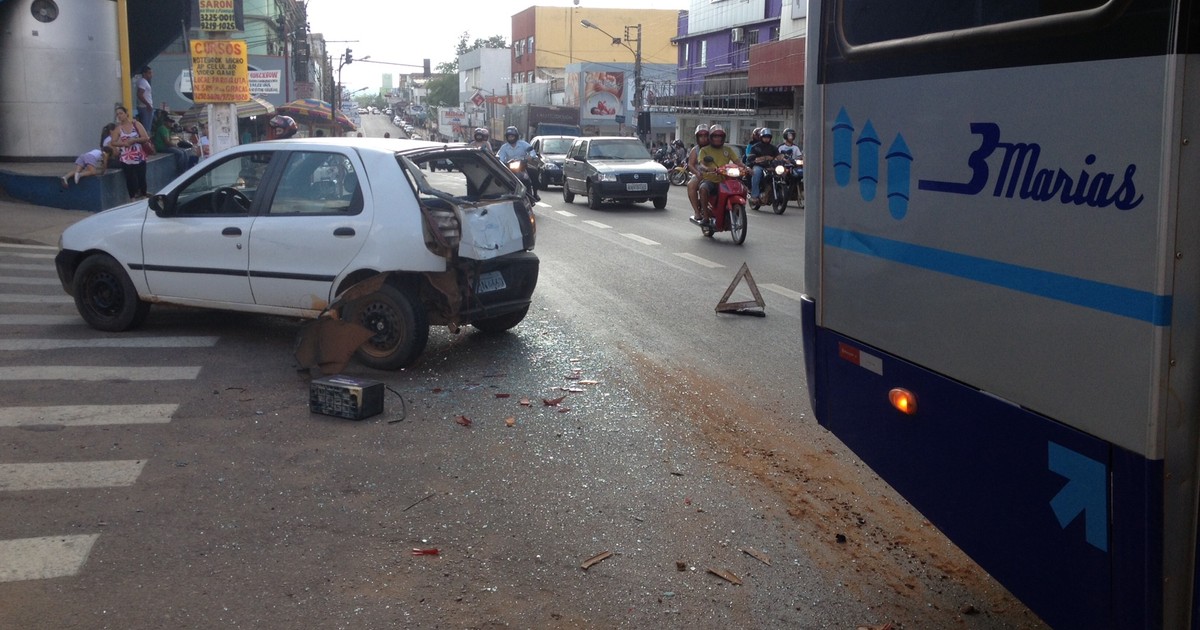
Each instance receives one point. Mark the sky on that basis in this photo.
(408, 32)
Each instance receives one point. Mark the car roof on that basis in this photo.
(627, 138)
(382, 145)
(554, 137)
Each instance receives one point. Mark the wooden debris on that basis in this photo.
(587, 564)
(726, 575)
(757, 555)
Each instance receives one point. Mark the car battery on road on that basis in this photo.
(345, 397)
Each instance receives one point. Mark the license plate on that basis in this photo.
(490, 281)
(633, 187)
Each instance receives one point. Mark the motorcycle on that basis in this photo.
(776, 185)
(678, 174)
(518, 168)
(728, 210)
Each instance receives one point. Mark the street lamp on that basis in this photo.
(637, 65)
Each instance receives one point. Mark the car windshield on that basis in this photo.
(557, 146)
(617, 150)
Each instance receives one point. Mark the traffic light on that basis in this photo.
(349, 56)
(426, 68)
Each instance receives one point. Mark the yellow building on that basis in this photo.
(547, 39)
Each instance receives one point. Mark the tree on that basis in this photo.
(463, 47)
(442, 90)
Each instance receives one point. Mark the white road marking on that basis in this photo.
(784, 291)
(698, 260)
(4, 246)
(22, 267)
(26, 255)
(97, 373)
(599, 225)
(34, 280)
(44, 558)
(40, 320)
(543, 204)
(109, 342)
(86, 415)
(641, 239)
(69, 475)
(565, 213)
(31, 298)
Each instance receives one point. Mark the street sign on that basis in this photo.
(478, 99)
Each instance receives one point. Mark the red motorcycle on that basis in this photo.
(728, 210)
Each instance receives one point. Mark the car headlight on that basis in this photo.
(606, 177)
(660, 177)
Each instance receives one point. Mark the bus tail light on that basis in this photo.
(903, 400)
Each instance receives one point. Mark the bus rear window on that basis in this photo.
(872, 21)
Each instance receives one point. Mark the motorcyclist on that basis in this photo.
(514, 148)
(755, 136)
(789, 147)
(720, 156)
(693, 186)
(762, 154)
(482, 138)
(679, 150)
(283, 127)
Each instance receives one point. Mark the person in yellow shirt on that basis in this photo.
(708, 160)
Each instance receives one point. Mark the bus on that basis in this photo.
(1002, 276)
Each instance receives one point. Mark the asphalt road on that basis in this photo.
(211, 497)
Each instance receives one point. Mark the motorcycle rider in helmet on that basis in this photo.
(693, 186)
(679, 150)
(721, 155)
(755, 136)
(514, 148)
(482, 138)
(762, 154)
(789, 147)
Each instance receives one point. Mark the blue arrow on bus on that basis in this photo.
(1086, 493)
(843, 147)
(868, 161)
(899, 177)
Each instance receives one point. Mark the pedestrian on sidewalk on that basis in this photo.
(144, 98)
(93, 162)
(163, 144)
(128, 137)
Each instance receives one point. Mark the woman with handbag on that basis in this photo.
(128, 138)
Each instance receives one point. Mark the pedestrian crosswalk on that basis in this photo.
(44, 342)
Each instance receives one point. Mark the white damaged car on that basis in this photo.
(286, 227)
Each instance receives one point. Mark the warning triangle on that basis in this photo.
(725, 306)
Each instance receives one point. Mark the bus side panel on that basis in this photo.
(1026, 497)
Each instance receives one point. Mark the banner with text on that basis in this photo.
(218, 16)
(219, 71)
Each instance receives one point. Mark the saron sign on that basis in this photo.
(217, 16)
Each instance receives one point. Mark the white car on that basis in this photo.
(286, 227)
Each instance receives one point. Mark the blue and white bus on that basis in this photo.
(1003, 277)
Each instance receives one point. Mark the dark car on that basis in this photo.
(546, 168)
(613, 168)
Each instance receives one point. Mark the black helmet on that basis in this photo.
(765, 133)
(511, 131)
(789, 134)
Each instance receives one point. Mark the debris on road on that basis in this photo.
(525, 402)
(425, 552)
(463, 420)
(419, 501)
(841, 539)
(680, 566)
(510, 421)
(499, 395)
(553, 402)
(587, 564)
(726, 575)
(757, 555)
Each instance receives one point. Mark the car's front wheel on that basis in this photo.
(106, 297)
(501, 323)
(593, 198)
(660, 203)
(400, 328)
(568, 196)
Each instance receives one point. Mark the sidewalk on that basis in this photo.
(34, 225)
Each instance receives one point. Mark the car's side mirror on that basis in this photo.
(161, 205)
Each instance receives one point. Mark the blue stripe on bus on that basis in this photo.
(1108, 298)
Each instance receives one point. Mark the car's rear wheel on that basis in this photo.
(660, 203)
(593, 198)
(106, 297)
(400, 328)
(568, 196)
(501, 323)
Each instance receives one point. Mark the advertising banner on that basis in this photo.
(603, 95)
(219, 71)
(218, 16)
